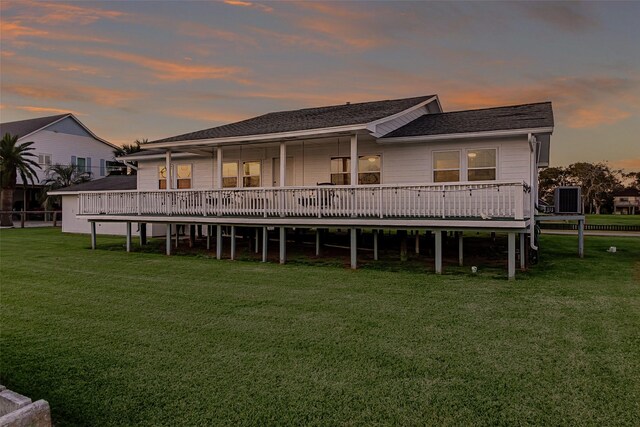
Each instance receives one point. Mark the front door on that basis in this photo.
(275, 172)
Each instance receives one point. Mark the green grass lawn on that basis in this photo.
(116, 338)
(613, 219)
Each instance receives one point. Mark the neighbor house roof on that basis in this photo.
(627, 192)
(111, 182)
(26, 127)
(305, 119)
(527, 116)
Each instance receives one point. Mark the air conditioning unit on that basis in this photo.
(568, 200)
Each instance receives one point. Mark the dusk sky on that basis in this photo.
(144, 69)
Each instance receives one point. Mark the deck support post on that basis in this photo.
(512, 256)
(233, 242)
(265, 241)
(93, 234)
(522, 254)
(375, 245)
(128, 236)
(581, 238)
(168, 239)
(257, 248)
(403, 245)
(209, 232)
(177, 235)
(417, 242)
(438, 244)
(283, 245)
(192, 236)
(460, 249)
(218, 242)
(143, 233)
(354, 248)
(318, 233)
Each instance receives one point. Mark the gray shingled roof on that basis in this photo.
(25, 127)
(525, 116)
(305, 119)
(112, 182)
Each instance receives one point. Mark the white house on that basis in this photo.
(394, 164)
(61, 139)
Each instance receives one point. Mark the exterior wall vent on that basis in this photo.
(568, 200)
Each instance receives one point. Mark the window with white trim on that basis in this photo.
(369, 170)
(44, 160)
(183, 176)
(341, 170)
(162, 177)
(446, 166)
(229, 174)
(251, 174)
(481, 164)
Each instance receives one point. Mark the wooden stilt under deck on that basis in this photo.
(265, 241)
(128, 236)
(318, 241)
(375, 245)
(460, 249)
(522, 252)
(233, 242)
(257, 248)
(168, 239)
(512, 256)
(438, 245)
(209, 232)
(93, 235)
(143, 233)
(283, 245)
(354, 248)
(417, 242)
(218, 242)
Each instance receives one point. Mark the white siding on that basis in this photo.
(401, 163)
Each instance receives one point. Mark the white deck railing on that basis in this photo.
(484, 200)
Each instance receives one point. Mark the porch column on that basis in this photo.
(143, 233)
(354, 249)
(438, 244)
(283, 164)
(283, 245)
(460, 249)
(265, 239)
(354, 159)
(512, 256)
(168, 239)
(233, 242)
(93, 235)
(167, 159)
(218, 168)
(128, 236)
(218, 242)
(522, 255)
(375, 245)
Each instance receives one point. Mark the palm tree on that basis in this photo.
(130, 149)
(61, 176)
(14, 160)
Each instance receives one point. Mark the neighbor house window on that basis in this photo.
(44, 160)
(481, 164)
(183, 177)
(81, 164)
(251, 174)
(340, 170)
(369, 170)
(230, 174)
(446, 166)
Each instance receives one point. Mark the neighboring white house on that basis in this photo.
(60, 139)
(395, 164)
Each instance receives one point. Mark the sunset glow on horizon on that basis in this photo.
(148, 70)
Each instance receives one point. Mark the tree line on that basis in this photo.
(597, 181)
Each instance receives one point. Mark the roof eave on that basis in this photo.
(465, 135)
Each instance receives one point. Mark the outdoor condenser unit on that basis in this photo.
(567, 200)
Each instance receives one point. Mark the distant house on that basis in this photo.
(627, 202)
(61, 139)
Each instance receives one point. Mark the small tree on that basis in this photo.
(130, 149)
(61, 176)
(15, 160)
